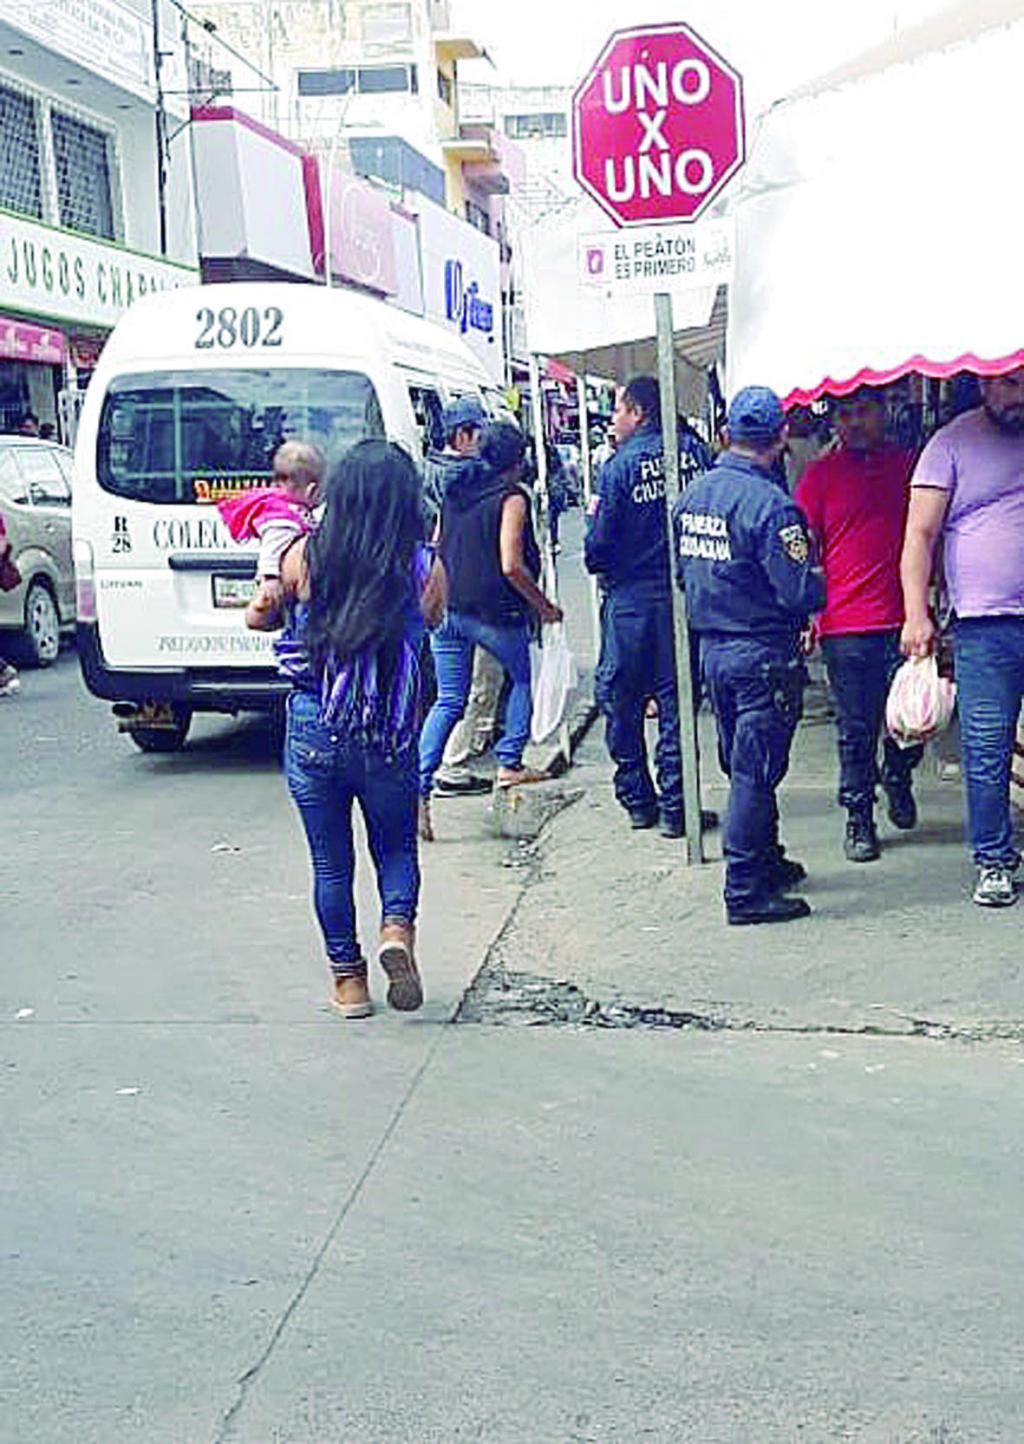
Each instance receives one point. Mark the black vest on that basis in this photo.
(471, 552)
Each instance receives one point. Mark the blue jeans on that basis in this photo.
(326, 772)
(556, 506)
(990, 687)
(756, 690)
(861, 666)
(452, 645)
(638, 662)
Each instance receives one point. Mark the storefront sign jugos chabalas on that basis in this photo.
(47, 272)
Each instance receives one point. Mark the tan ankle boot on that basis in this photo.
(396, 956)
(351, 996)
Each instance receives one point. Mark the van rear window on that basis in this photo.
(188, 436)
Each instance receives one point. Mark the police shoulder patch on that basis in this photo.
(794, 543)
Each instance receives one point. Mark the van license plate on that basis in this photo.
(233, 591)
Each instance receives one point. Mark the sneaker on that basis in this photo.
(995, 887)
(769, 909)
(861, 844)
(468, 785)
(10, 682)
(902, 808)
(642, 819)
(405, 991)
(351, 997)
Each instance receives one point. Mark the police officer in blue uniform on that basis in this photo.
(627, 548)
(751, 583)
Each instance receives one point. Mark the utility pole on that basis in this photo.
(270, 103)
(161, 128)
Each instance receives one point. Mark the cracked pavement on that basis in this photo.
(614, 929)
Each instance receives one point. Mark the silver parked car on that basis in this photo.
(35, 501)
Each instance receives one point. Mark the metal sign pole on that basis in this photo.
(684, 678)
(587, 468)
(543, 499)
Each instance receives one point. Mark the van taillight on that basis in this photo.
(85, 582)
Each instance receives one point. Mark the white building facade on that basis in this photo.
(537, 119)
(88, 218)
(371, 90)
(350, 67)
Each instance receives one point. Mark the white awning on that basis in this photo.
(880, 216)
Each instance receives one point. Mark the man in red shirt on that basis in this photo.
(855, 499)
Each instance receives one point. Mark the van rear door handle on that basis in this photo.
(225, 564)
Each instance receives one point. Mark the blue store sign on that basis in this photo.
(464, 304)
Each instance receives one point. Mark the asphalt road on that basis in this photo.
(225, 1215)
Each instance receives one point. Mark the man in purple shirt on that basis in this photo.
(968, 490)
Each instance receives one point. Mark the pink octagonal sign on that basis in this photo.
(657, 126)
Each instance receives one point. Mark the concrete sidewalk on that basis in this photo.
(892, 946)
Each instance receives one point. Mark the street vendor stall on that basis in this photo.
(878, 229)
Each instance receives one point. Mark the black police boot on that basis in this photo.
(785, 873)
(643, 819)
(676, 827)
(902, 807)
(768, 909)
(861, 842)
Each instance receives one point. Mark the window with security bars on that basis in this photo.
(21, 186)
(85, 193)
(540, 125)
(364, 79)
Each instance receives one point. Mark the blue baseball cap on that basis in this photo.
(466, 411)
(756, 416)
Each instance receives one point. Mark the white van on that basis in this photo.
(195, 390)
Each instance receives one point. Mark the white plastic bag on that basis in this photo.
(920, 702)
(553, 675)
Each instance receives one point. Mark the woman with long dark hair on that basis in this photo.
(351, 645)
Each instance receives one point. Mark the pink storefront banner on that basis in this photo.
(362, 245)
(21, 341)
